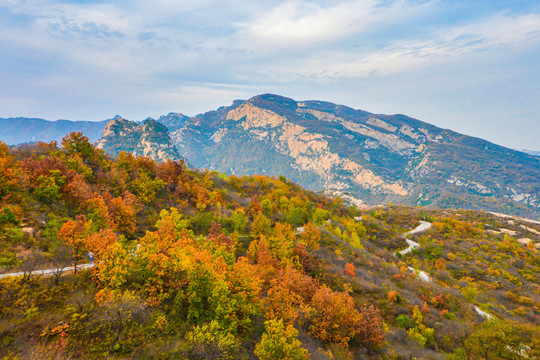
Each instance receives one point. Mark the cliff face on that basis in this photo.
(375, 158)
(149, 138)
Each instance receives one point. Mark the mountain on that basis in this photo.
(530, 152)
(173, 121)
(363, 157)
(373, 157)
(149, 138)
(22, 130)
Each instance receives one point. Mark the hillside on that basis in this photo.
(366, 158)
(200, 265)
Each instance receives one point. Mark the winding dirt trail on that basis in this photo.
(424, 225)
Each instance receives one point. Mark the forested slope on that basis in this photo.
(200, 265)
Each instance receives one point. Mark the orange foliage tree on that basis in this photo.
(74, 233)
(370, 330)
(335, 319)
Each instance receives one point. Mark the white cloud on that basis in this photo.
(299, 23)
(445, 45)
(294, 22)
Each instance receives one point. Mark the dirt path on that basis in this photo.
(424, 225)
(49, 271)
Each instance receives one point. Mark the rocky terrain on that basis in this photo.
(148, 138)
(353, 153)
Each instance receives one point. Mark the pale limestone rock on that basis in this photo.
(381, 124)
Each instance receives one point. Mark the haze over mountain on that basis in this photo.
(21, 130)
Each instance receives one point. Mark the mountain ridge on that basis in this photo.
(357, 154)
(377, 158)
(17, 130)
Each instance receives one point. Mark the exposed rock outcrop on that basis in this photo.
(149, 138)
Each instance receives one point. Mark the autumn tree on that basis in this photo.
(123, 211)
(146, 188)
(370, 329)
(77, 143)
(73, 233)
(349, 269)
(9, 182)
(261, 226)
(281, 241)
(290, 295)
(100, 242)
(211, 341)
(254, 208)
(311, 236)
(78, 191)
(504, 340)
(319, 216)
(336, 319)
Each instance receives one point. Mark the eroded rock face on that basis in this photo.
(148, 138)
(311, 151)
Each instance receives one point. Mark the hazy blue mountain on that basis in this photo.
(21, 130)
(531, 152)
(173, 121)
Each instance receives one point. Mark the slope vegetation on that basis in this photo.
(199, 265)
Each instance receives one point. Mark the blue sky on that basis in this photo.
(470, 66)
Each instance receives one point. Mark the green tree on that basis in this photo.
(280, 342)
(296, 216)
(211, 341)
(497, 339)
(77, 143)
(49, 187)
(319, 216)
(239, 222)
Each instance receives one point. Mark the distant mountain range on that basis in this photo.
(352, 153)
(23, 130)
(530, 152)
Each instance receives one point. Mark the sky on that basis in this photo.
(472, 66)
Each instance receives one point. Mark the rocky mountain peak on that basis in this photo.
(173, 121)
(149, 138)
(272, 101)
